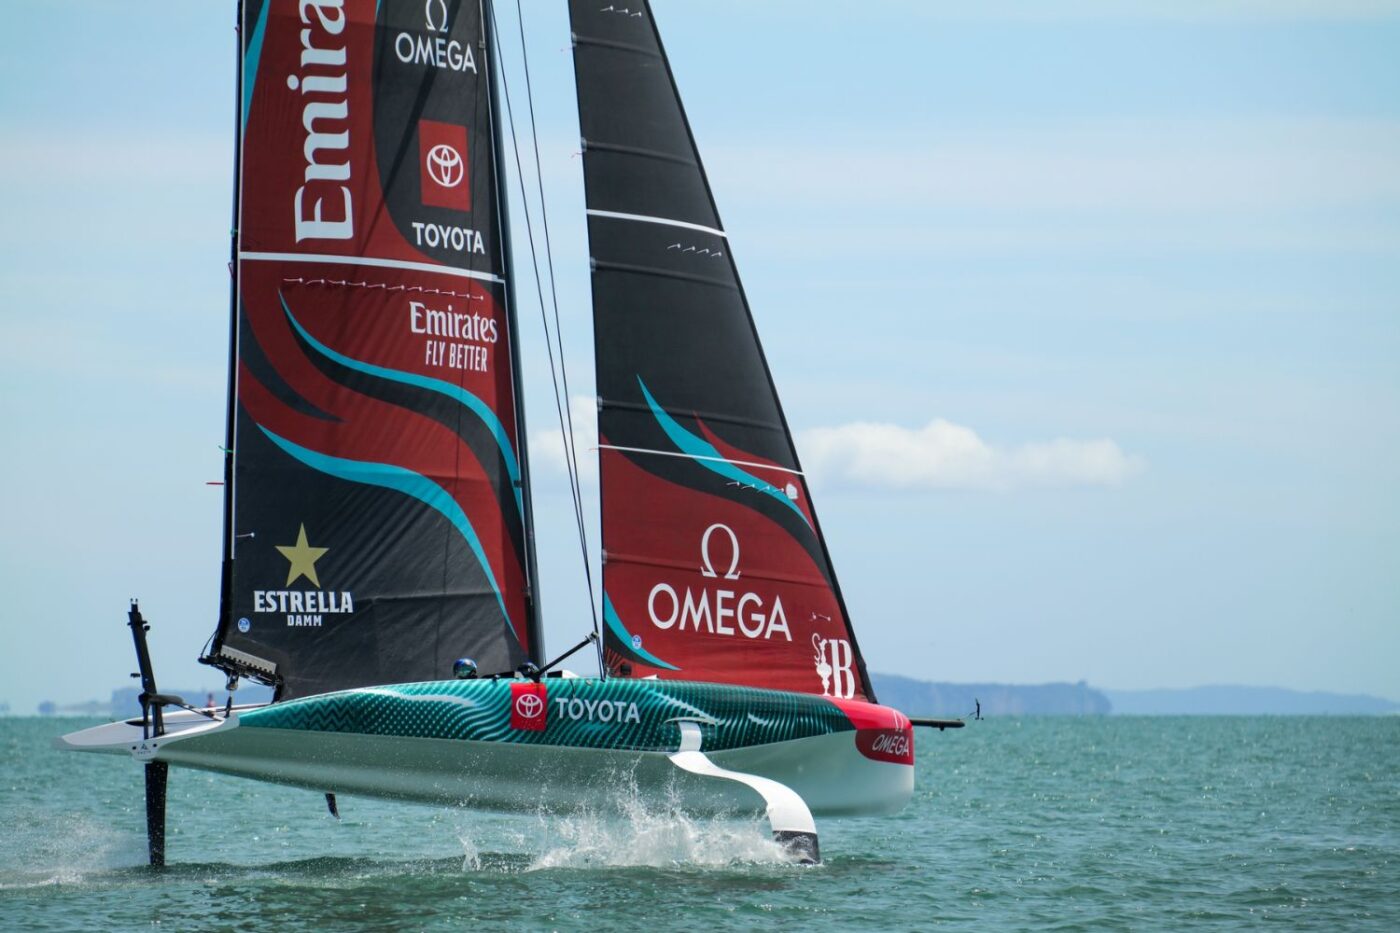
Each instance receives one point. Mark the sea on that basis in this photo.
(1024, 824)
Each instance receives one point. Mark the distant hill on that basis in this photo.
(922, 698)
(1226, 700)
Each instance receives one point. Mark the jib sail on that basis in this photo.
(378, 517)
(714, 564)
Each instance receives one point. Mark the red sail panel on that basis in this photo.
(715, 568)
(702, 587)
(378, 529)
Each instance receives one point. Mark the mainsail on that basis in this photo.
(378, 521)
(714, 564)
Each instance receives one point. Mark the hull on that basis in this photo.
(595, 745)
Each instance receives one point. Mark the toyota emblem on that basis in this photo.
(528, 706)
(444, 165)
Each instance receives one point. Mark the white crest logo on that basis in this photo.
(708, 569)
(444, 165)
(529, 706)
(832, 659)
(428, 15)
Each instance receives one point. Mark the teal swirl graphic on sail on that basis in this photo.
(399, 479)
(632, 642)
(706, 455)
(441, 387)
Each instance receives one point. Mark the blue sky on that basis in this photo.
(1104, 296)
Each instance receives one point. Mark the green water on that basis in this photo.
(1068, 824)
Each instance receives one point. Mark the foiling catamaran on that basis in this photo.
(379, 565)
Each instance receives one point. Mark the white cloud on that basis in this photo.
(940, 455)
(547, 444)
(944, 455)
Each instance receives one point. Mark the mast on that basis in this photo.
(533, 620)
(230, 414)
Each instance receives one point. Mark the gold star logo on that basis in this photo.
(303, 559)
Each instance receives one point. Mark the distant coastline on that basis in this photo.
(930, 698)
(1233, 700)
(924, 698)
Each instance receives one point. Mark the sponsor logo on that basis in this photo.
(833, 658)
(445, 165)
(438, 8)
(244, 625)
(453, 326)
(436, 322)
(436, 49)
(322, 207)
(596, 710)
(893, 745)
(714, 610)
(448, 236)
(528, 706)
(302, 607)
(442, 148)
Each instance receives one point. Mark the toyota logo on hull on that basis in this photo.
(529, 706)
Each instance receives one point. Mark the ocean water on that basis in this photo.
(1052, 823)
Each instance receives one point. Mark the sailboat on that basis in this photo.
(378, 551)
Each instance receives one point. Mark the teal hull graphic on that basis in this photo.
(635, 715)
(601, 745)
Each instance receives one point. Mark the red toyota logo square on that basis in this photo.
(529, 706)
(445, 180)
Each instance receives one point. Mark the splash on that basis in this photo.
(630, 830)
(656, 839)
(63, 849)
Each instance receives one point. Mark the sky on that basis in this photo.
(1086, 317)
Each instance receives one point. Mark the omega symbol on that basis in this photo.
(708, 570)
(428, 15)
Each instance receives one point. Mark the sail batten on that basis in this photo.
(715, 566)
(688, 456)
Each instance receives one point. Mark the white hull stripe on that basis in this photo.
(672, 453)
(372, 262)
(666, 221)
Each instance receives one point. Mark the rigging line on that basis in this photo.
(570, 465)
(571, 448)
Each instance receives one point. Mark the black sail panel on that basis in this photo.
(379, 521)
(714, 564)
